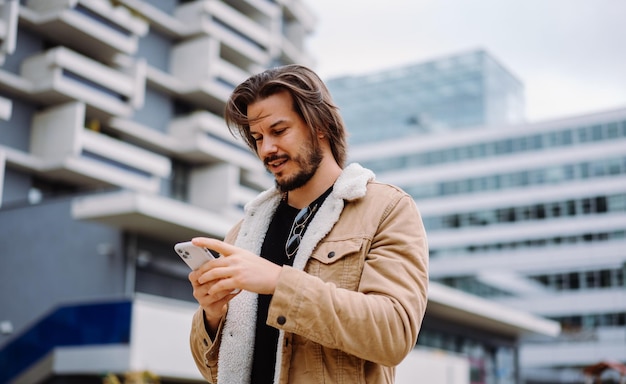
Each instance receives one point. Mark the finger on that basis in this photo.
(219, 246)
(224, 287)
(214, 274)
(193, 278)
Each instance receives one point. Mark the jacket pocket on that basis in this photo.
(338, 262)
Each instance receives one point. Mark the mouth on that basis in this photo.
(274, 164)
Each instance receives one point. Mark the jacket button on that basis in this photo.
(281, 320)
(331, 254)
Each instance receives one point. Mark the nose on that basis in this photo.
(266, 147)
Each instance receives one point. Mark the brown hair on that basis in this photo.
(311, 101)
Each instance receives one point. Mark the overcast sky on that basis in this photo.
(570, 54)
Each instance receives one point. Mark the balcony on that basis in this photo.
(243, 28)
(151, 215)
(61, 75)
(61, 148)
(93, 27)
(202, 74)
(246, 29)
(297, 23)
(224, 176)
(204, 138)
(8, 27)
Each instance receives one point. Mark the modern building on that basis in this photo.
(455, 92)
(527, 215)
(112, 149)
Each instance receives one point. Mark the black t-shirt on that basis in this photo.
(273, 249)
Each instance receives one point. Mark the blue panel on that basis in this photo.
(81, 325)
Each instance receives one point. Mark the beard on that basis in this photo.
(308, 163)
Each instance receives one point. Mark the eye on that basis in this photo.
(279, 131)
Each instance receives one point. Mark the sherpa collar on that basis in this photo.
(236, 350)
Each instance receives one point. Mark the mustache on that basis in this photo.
(269, 159)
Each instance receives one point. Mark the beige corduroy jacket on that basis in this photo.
(350, 308)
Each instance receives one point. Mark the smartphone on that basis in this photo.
(193, 255)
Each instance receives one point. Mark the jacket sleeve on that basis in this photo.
(203, 349)
(378, 322)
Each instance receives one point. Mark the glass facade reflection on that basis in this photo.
(454, 92)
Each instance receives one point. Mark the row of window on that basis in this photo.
(549, 175)
(591, 321)
(577, 280)
(555, 241)
(583, 280)
(472, 285)
(535, 142)
(542, 211)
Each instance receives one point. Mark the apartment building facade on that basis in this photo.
(528, 215)
(112, 149)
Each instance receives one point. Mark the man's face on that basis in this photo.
(283, 141)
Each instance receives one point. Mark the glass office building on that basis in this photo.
(455, 92)
(529, 215)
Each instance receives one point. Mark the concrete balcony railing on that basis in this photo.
(297, 22)
(94, 27)
(8, 27)
(204, 138)
(8, 35)
(63, 149)
(61, 75)
(254, 23)
(201, 73)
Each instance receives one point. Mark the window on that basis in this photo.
(555, 210)
(613, 167)
(539, 211)
(600, 204)
(571, 207)
(617, 203)
(566, 137)
(591, 279)
(537, 141)
(596, 133)
(554, 139)
(612, 130)
(574, 280)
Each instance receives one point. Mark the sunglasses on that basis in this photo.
(297, 230)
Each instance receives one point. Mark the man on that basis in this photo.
(332, 265)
